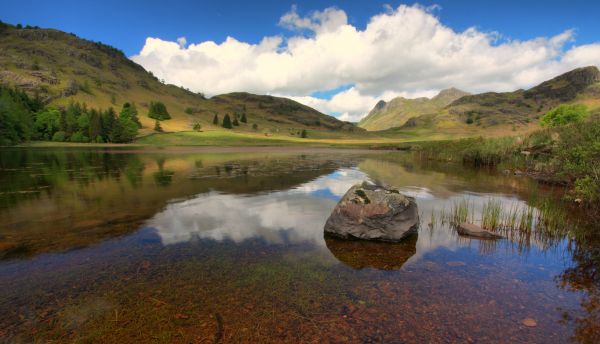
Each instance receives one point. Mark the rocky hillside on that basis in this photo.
(499, 113)
(60, 68)
(398, 111)
(522, 107)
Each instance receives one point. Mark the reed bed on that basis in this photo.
(515, 221)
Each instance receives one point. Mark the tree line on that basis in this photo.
(24, 118)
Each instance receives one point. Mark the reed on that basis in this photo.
(460, 211)
(491, 215)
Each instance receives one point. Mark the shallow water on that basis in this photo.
(171, 246)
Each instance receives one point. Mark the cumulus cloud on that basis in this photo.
(401, 51)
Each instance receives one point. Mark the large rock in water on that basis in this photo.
(373, 212)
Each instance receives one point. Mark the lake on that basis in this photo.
(225, 245)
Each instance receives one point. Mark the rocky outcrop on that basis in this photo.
(471, 230)
(567, 86)
(373, 212)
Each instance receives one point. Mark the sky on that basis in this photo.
(340, 57)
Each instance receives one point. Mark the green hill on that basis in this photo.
(491, 113)
(396, 112)
(521, 107)
(59, 68)
(501, 113)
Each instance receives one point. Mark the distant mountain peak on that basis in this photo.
(380, 105)
(398, 110)
(451, 93)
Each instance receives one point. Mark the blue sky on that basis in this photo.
(323, 54)
(126, 24)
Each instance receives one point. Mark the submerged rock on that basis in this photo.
(529, 322)
(472, 230)
(372, 212)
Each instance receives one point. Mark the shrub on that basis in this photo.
(303, 134)
(564, 114)
(79, 137)
(197, 127)
(59, 136)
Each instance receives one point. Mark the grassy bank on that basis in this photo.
(230, 138)
(569, 154)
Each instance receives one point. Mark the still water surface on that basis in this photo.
(176, 246)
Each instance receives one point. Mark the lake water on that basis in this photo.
(222, 246)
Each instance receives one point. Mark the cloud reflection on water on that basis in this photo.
(295, 215)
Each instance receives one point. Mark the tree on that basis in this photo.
(197, 126)
(303, 134)
(124, 130)
(16, 120)
(216, 120)
(129, 110)
(235, 122)
(83, 123)
(95, 127)
(158, 111)
(47, 123)
(108, 119)
(157, 127)
(244, 119)
(227, 122)
(72, 114)
(255, 126)
(564, 114)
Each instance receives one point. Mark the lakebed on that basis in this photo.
(226, 245)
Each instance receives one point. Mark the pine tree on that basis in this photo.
(235, 122)
(227, 122)
(108, 119)
(244, 119)
(304, 134)
(129, 110)
(158, 111)
(95, 128)
(216, 120)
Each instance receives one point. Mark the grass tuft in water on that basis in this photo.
(460, 211)
(491, 216)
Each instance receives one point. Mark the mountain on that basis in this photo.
(498, 113)
(398, 111)
(521, 107)
(60, 68)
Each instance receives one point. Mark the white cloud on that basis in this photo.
(402, 51)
